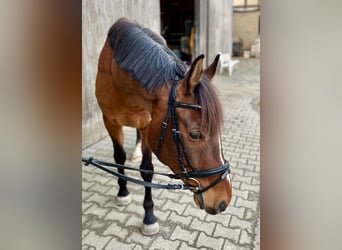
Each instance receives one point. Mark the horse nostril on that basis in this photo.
(221, 207)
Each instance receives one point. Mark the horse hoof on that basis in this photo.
(123, 200)
(150, 229)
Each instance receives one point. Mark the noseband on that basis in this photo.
(222, 170)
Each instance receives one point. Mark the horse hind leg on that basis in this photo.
(137, 154)
(117, 136)
(150, 222)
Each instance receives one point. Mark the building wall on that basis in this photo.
(213, 22)
(246, 26)
(97, 18)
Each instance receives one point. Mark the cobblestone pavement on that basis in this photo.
(183, 225)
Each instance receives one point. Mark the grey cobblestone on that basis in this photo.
(138, 237)
(182, 225)
(184, 235)
(226, 232)
(96, 210)
(179, 219)
(238, 211)
(184, 246)
(115, 230)
(207, 227)
(193, 211)
(96, 241)
(246, 203)
(98, 198)
(114, 244)
(114, 215)
(238, 223)
(161, 243)
(248, 187)
(209, 242)
(178, 208)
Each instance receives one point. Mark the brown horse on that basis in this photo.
(140, 83)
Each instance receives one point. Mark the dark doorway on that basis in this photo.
(177, 21)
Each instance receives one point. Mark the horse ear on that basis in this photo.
(194, 76)
(211, 70)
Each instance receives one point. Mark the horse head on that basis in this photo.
(192, 147)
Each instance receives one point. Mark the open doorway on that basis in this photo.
(177, 22)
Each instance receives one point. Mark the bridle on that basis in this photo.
(222, 170)
(192, 176)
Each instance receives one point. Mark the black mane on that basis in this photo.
(144, 54)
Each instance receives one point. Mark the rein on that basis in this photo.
(222, 170)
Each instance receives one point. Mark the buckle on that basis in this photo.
(193, 188)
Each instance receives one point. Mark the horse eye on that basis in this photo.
(196, 135)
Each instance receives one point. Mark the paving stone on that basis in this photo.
(96, 210)
(237, 223)
(235, 185)
(95, 240)
(207, 227)
(86, 194)
(98, 198)
(161, 243)
(116, 216)
(171, 205)
(101, 179)
(228, 233)
(194, 211)
(87, 247)
(179, 219)
(243, 194)
(86, 205)
(248, 167)
(158, 202)
(137, 209)
(99, 188)
(252, 174)
(117, 231)
(255, 182)
(245, 238)
(162, 215)
(222, 218)
(85, 232)
(243, 179)
(246, 203)
(184, 246)
(228, 245)
(175, 196)
(140, 239)
(86, 185)
(238, 211)
(254, 188)
(134, 220)
(114, 244)
(209, 242)
(186, 198)
(184, 235)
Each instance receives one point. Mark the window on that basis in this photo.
(246, 5)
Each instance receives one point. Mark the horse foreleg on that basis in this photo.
(150, 223)
(117, 136)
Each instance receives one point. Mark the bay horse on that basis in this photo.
(140, 83)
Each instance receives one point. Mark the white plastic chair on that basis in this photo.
(227, 62)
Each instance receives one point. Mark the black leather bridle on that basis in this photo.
(222, 170)
(192, 176)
